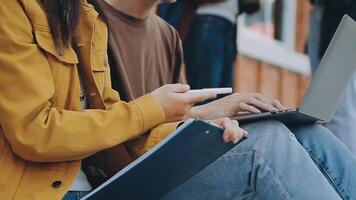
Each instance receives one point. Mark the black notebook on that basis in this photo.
(192, 147)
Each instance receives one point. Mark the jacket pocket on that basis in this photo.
(100, 68)
(46, 43)
(63, 68)
(99, 76)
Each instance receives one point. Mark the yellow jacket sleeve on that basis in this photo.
(36, 129)
(143, 144)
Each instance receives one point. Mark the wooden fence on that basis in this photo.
(252, 75)
(272, 81)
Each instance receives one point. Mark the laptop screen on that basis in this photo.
(334, 73)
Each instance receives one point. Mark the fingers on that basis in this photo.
(249, 109)
(232, 133)
(240, 132)
(278, 105)
(197, 97)
(261, 104)
(179, 88)
(275, 103)
(242, 113)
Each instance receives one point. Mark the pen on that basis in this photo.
(213, 90)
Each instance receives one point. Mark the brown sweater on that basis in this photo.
(145, 54)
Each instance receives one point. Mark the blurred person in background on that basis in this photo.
(208, 29)
(325, 19)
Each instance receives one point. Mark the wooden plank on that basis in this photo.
(289, 89)
(246, 75)
(304, 82)
(273, 82)
(269, 84)
(302, 24)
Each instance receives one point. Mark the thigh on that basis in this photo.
(225, 179)
(332, 157)
(318, 139)
(235, 174)
(343, 123)
(269, 165)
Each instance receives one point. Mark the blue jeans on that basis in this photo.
(334, 160)
(74, 195)
(210, 51)
(276, 162)
(173, 13)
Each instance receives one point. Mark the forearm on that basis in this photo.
(59, 135)
(208, 112)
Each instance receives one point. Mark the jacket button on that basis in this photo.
(105, 63)
(57, 184)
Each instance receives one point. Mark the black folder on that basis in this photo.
(192, 147)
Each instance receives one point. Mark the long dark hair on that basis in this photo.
(63, 17)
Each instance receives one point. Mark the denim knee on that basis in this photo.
(331, 156)
(314, 135)
(264, 134)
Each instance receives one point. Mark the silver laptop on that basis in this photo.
(328, 84)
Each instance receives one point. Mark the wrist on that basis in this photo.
(199, 112)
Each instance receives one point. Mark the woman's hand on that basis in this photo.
(176, 102)
(235, 104)
(233, 133)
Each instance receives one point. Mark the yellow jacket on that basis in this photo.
(44, 135)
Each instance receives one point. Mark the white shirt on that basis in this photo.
(227, 9)
(81, 183)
